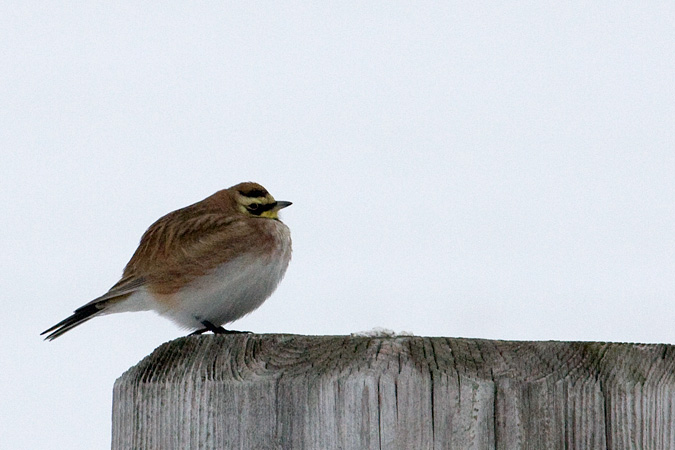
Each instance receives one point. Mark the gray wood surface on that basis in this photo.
(342, 392)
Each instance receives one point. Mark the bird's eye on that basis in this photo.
(253, 206)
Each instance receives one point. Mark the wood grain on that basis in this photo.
(342, 392)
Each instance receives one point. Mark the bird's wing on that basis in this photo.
(176, 250)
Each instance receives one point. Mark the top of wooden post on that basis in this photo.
(288, 391)
(247, 355)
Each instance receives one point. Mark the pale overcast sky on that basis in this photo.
(474, 169)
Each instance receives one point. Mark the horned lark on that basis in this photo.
(201, 266)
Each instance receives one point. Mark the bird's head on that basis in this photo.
(252, 199)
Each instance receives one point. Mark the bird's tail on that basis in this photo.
(81, 315)
(114, 297)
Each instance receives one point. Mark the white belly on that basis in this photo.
(229, 292)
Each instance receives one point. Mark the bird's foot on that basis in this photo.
(224, 331)
(215, 330)
(198, 332)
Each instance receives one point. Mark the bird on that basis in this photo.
(202, 266)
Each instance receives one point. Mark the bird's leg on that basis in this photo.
(198, 332)
(214, 329)
(208, 326)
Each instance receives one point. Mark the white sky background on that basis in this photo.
(474, 169)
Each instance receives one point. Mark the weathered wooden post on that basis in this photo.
(342, 392)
